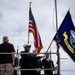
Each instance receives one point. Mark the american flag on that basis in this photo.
(33, 29)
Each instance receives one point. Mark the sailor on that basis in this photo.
(25, 61)
(47, 64)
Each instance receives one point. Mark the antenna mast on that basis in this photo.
(58, 54)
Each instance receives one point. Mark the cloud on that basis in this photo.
(14, 20)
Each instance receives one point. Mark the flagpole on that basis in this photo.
(28, 27)
(58, 53)
(18, 59)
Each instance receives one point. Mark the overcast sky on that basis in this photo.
(14, 21)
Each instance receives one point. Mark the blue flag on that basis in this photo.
(66, 35)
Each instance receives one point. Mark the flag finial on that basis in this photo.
(30, 4)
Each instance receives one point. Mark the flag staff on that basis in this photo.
(58, 53)
(18, 59)
(28, 30)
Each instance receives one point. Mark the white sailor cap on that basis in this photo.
(25, 45)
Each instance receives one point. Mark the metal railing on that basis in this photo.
(18, 65)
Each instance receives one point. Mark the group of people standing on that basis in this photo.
(34, 63)
(30, 63)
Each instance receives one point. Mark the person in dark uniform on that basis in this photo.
(27, 61)
(48, 64)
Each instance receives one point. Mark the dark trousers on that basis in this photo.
(15, 72)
